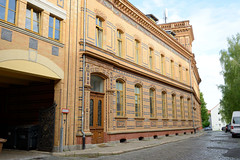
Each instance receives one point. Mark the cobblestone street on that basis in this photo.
(210, 145)
(213, 145)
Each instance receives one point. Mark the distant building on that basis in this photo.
(216, 118)
(209, 118)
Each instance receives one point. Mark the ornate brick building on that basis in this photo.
(116, 73)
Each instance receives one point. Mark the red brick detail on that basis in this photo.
(88, 140)
(128, 136)
(200, 128)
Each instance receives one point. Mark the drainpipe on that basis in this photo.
(83, 76)
(68, 60)
(190, 68)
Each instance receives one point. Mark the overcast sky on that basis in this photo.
(212, 21)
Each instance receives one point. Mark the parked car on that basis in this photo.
(207, 129)
(228, 128)
(223, 128)
(235, 124)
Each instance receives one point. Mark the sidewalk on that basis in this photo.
(118, 148)
(99, 150)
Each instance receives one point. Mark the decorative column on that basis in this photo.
(21, 15)
(87, 108)
(110, 113)
(45, 23)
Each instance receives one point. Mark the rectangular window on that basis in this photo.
(173, 106)
(32, 19)
(137, 101)
(8, 10)
(99, 32)
(152, 103)
(136, 51)
(119, 42)
(54, 28)
(119, 98)
(164, 105)
(150, 59)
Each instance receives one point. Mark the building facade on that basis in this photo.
(216, 119)
(94, 71)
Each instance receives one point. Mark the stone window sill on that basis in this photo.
(139, 118)
(121, 117)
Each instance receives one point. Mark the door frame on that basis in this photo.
(95, 126)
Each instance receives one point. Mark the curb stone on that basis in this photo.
(92, 153)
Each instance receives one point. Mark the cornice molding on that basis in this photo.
(48, 6)
(181, 26)
(165, 79)
(31, 34)
(137, 16)
(110, 5)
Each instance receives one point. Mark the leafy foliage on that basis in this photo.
(204, 112)
(230, 61)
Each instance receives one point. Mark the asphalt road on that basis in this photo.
(212, 146)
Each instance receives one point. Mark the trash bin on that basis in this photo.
(11, 137)
(27, 137)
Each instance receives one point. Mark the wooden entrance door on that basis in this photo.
(96, 117)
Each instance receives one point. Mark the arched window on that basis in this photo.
(97, 84)
(137, 100)
(152, 102)
(99, 32)
(173, 106)
(164, 104)
(119, 43)
(120, 98)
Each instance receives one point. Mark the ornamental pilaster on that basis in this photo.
(110, 95)
(87, 89)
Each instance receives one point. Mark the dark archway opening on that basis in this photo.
(22, 99)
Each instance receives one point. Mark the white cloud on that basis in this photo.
(209, 70)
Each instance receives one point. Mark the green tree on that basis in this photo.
(230, 61)
(204, 112)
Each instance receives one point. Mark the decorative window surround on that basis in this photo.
(47, 6)
(145, 25)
